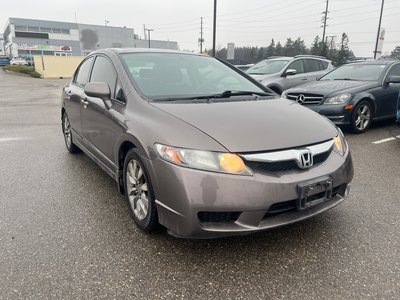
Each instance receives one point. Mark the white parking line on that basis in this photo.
(10, 139)
(386, 140)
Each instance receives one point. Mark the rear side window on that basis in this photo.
(103, 71)
(82, 77)
(323, 64)
(312, 65)
(297, 65)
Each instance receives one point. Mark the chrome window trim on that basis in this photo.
(292, 154)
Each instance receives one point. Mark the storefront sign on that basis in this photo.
(33, 47)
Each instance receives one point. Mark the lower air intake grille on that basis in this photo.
(218, 217)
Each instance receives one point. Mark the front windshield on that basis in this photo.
(268, 67)
(174, 75)
(356, 72)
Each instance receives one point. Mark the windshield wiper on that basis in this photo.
(344, 79)
(225, 94)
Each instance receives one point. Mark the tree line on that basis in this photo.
(337, 54)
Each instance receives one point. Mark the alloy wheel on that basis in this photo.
(363, 117)
(137, 189)
(67, 131)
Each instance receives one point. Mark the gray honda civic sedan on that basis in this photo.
(199, 147)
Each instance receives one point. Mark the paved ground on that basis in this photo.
(65, 232)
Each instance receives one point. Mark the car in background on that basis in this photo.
(4, 60)
(354, 94)
(398, 111)
(18, 61)
(281, 73)
(198, 146)
(244, 67)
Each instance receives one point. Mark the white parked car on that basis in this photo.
(19, 61)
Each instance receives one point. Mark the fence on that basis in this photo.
(56, 66)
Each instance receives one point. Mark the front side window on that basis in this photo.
(103, 71)
(161, 75)
(394, 71)
(82, 76)
(356, 72)
(297, 65)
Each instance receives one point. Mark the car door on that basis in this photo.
(388, 95)
(101, 126)
(74, 94)
(298, 78)
(313, 69)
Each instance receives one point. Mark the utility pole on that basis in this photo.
(332, 39)
(214, 26)
(144, 31)
(201, 40)
(324, 19)
(379, 30)
(148, 32)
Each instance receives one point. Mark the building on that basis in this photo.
(1, 45)
(27, 37)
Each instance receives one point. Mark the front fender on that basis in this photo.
(365, 96)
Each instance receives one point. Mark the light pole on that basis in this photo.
(379, 30)
(148, 33)
(214, 25)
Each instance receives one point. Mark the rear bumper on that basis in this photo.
(183, 193)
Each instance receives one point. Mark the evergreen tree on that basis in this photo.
(271, 49)
(316, 46)
(279, 49)
(396, 53)
(344, 54)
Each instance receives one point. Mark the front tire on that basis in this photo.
(67, 132)
(139, 192)
(361, 117)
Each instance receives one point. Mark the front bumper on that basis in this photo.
(181, 194)
(336, 113)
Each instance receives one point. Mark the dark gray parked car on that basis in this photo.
(196, 145)
(281, 73)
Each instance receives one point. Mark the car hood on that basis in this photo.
(327, 87)
(250, 126)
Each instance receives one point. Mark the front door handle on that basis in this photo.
(304, 78)
(85, 102)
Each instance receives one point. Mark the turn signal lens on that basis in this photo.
(170, 154)
(231, 163)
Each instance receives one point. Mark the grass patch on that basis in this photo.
(23, 69)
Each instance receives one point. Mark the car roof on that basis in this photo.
(143, 50)
(374, 62)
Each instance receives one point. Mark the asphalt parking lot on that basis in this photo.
(65, 231)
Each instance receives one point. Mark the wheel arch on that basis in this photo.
(366, 97)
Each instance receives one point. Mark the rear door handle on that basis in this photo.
(304, 78)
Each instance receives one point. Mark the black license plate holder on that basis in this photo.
(314, 192)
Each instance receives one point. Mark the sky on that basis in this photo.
(243, 22)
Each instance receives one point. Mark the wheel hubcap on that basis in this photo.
(137, 190)
(67, 131)
(363, 117)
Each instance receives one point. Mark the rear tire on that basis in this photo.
(67, 132)
(139, 192)
(361, 117)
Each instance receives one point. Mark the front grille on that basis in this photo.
(218, 217)
(309, 99)
(287, 165)
(288, 206)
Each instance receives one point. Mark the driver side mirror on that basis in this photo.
(393, 79)
(290, 72)
(99, 90)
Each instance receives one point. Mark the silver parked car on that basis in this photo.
(200, 147)
(281, 73)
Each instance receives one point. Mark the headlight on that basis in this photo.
(340, 143)
(283, 95)
(204, 160)
(339, 99)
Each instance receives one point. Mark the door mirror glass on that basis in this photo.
(290, 72)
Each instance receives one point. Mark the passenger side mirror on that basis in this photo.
(99, 90)
(393, 79)
(290, 72)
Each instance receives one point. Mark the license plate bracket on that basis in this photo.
(314, 192)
